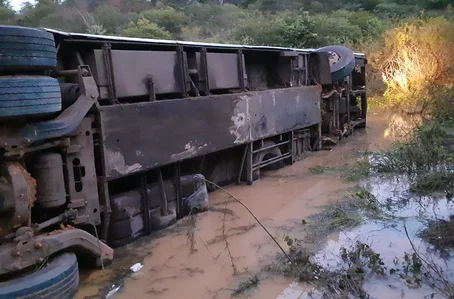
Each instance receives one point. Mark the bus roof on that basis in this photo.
(177, 43)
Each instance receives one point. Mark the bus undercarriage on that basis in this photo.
(107, 139)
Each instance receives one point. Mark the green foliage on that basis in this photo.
(291, 23)
(394, 10)
(145, 29)
(433, 181)
(285, 29)
(332, 29)
(167, 18)
(424, 152)
(6, 13)
(112, 18)
(317, 6)
(32, 15)
(214, 21)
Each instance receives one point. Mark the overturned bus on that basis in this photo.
(105, 139)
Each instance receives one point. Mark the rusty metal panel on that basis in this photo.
(142, 136)
(132, 68)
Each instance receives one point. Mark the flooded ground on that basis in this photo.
(407, 214)
(192, 258)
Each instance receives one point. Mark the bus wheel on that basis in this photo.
(267, 155)
(23, 49)
(29, 95)
(342, 61)
(59, 278)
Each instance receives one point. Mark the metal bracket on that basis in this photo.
(29, 250)
(108, 64)
(65, 123)
(204, 67)
(151, 88)
(241, 77)
(182, 63)
(145, 205)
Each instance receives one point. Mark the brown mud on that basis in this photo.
(281, 200)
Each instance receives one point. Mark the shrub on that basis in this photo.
(145, 29)
(417, 65)
(284, 29)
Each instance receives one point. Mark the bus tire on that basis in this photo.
(29, 95)
(266, 155)
(346, 64)
(23, 48)
(58, 279)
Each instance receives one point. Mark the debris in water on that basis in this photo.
(136, 267)
(244, 286)
(113, 290)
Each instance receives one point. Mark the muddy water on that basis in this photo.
(389, 239)
(281, 199)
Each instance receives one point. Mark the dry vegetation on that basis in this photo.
(416, 64)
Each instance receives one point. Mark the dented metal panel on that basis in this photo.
(164, 132)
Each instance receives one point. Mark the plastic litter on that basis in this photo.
(136, 267)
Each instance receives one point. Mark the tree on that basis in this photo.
(166, 17)
(7, 15)
(112, 18)
(32, 15)
(215, 20)
(284, 29)
(332, 30)
(145, 29)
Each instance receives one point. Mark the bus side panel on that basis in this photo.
(284, 110)
(139, 137)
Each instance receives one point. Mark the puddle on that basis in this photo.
(389, 239)
(281, 200)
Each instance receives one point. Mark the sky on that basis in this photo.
(17, 4)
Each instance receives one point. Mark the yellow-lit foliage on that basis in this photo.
(416, 62)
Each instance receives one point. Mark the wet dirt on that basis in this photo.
(280, 200)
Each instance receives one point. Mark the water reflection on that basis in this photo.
(389, 239)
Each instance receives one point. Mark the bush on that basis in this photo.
(145, 29)
(335, 30)
(6, 13)
(112, 18)
(394, 11)
(417, 65)
(284, 29)
(167, 18)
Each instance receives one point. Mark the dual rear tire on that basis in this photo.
(24, 52)
(25, 55)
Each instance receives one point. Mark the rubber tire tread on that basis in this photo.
(23, 48)
(346, 64)
(59, 279)
(29, 95)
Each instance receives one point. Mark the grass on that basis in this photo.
(319, 169)
(424, 152)
(344, 281)
(356, 172)
(349, 172)
(345, 214)
(433, 182)
(439, 233)
(246, 286)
